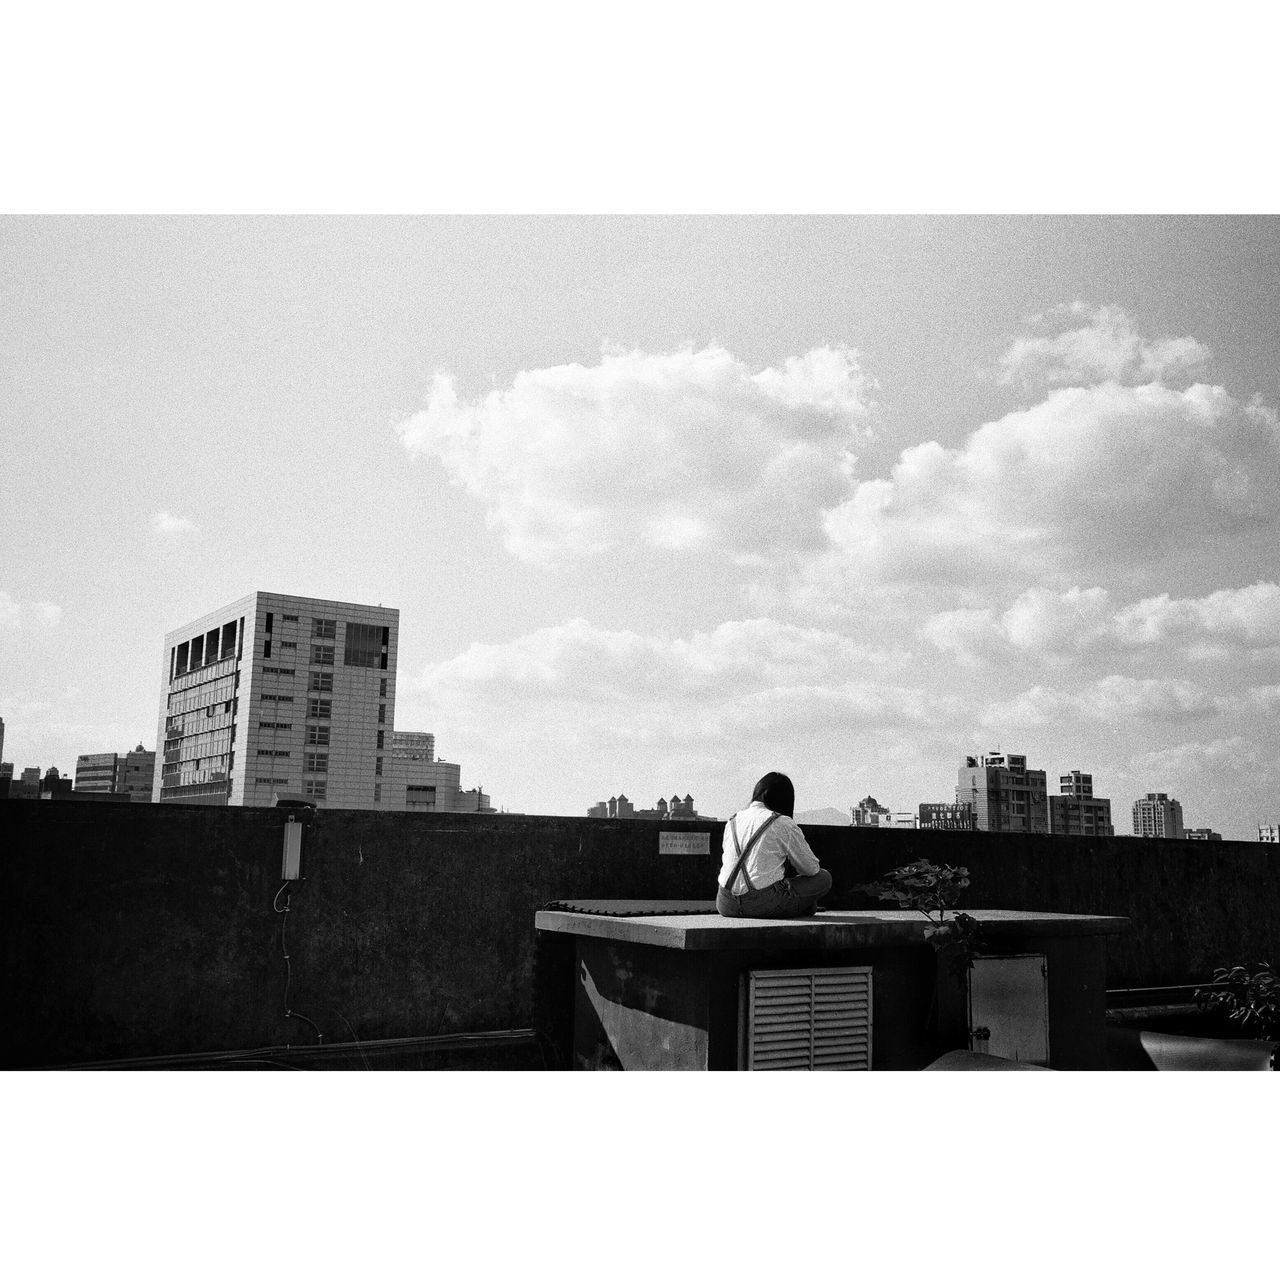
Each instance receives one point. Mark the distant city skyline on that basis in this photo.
(672, 497)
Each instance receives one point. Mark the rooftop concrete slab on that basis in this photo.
(827, 931)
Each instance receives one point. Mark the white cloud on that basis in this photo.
(590, 664)
(688, 450)
(1245, 616)
(14, 614)
(1091, 481)
(1101, 346)
(163, 524)
(1113, 699)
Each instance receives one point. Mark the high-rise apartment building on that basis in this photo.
(1004, 793)
(1077, 811)
(1158, 817)
(276, 693)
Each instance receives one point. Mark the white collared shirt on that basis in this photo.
(783, 842)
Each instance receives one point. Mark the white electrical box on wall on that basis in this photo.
(292, 850)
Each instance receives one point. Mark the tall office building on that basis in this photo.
(1158, 817)
(279, 694)
(1005, 795)
(1077, 811)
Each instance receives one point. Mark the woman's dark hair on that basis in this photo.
(775, 792)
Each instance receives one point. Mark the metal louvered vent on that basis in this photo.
(808, 1020)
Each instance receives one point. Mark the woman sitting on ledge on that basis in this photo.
(759, 841)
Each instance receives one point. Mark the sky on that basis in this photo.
(666, 502)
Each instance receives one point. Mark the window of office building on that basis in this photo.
(366, 646)
(324, 629)
(322, 682)
(317, 735)
(320, 708)
(377, 792)
(322, 655)
(381, 735)
(382, 687)
(316, 762)
(315, 788)
(377, 767)
(382, 713)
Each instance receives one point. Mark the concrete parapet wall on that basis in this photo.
(137, 930)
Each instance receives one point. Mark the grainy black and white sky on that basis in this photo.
(667, 501)
(664, 501)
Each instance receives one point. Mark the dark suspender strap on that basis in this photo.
(742, 853)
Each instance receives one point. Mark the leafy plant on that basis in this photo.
(1251, 999)
(930, 889)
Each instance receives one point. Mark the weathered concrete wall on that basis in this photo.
(133, 930)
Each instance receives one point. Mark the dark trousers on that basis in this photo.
(784, 900)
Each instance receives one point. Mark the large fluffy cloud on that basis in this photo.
(686, 449)
(1092, 480)
(1094, 344)
(736, 661)
(1233, 623)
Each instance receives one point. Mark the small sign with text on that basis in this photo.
(684, 842)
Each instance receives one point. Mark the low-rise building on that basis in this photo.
(675, 810)
(109, 773)
(1202, 833)
(414, 779)
(1269, 835)
(869, 812)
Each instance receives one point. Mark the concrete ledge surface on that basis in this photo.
(827, 931)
